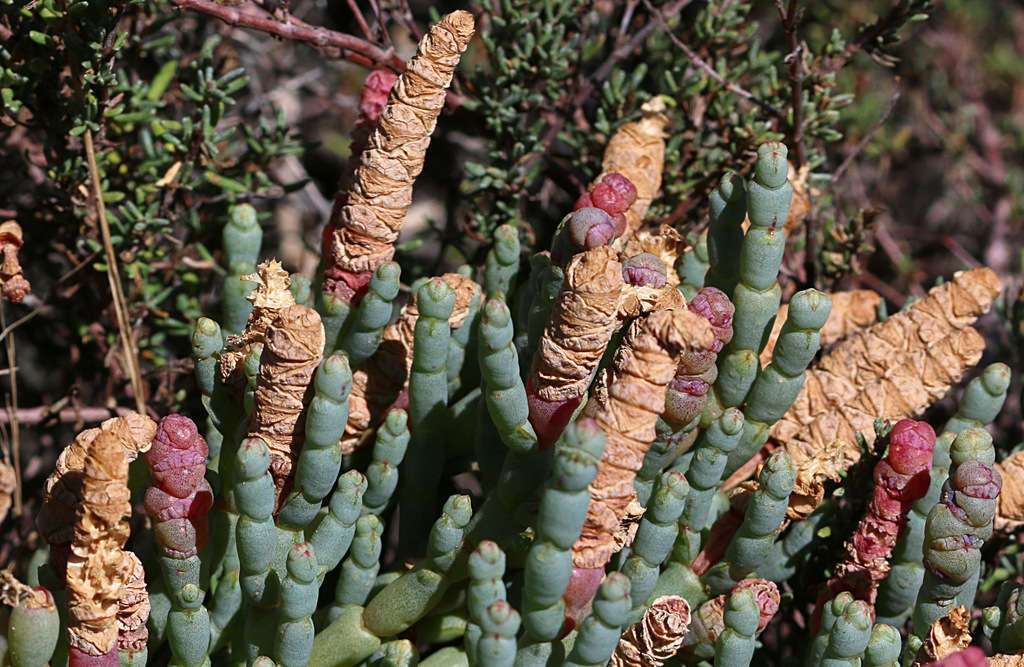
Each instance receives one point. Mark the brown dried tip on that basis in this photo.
(62, 492)
(14, 593)
(8, 483)
(1006, 660)
(381, 191)
(625, 403)
(851, 312)
(947, 635)
(270, 296)
(637, 151)
(97, 569)
(13, 284)
(292, 349)
(657, 637)
(133, 608)
(1010, 513)
(579, 327)
(378, 383)
(892, 370)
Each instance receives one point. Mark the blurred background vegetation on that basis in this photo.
(905, 117)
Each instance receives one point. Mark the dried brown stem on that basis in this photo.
(353, 49)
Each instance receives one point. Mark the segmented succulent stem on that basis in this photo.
(752, 543)
(388, 452)
(599, 634)
(366, 326)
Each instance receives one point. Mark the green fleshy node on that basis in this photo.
(486, 586)
(778, 385)
(408, 598)
(366, 326)
(599, 634)
(242, 239)
(316, 471)
(497, 644)
(333, 535)
(459, 343)
(654, 539)
(725, 233)
(560, 518)
(32, 634)
(502, 261)
(388, 453)
(735, 644)
(428, 398)
(694, 264)
(883, 647)
(752, 544)
(505, 394)
(707, 465)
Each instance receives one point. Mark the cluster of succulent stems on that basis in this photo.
(566, 458)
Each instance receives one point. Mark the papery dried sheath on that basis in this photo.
(657, 637)
(577, 332)
(13, 284)
(381, 192)
(923, 377)
(97, 568)
(625, 404)
(62, 491)
(270, 296)
(637, 151)
(891, 370)
(292, 351)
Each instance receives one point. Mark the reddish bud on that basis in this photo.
(607, 198)
(713, 305)
(549, 418)
(910, 446)
(590, 227)
(767, 594)
(177, 456)
(584, 201)
(644, 270)
(621, 185)
(375, 93)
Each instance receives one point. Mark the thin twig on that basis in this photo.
(852, 155)
(114, 278)
(45, 413)
(12, 406)
(353, 49)
(790, 23)
(21, 320)
(708, 69)
(359, 19)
